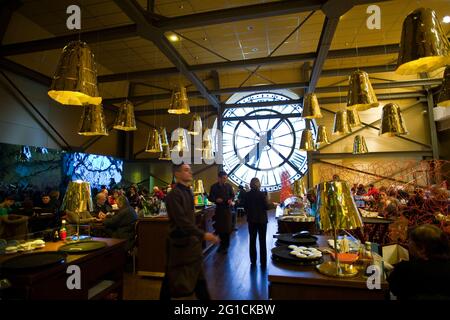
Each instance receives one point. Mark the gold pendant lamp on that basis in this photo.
(125, 118)
(179, 103)
(208, 151)
(359, 145)
(163, 135)
(299, 188)
(444, 95)
(307, 141)
(75, 79)
(311, 108)
(424, 47)
(180, 145)
(341, 126)
(198, 187)
(353, 118)
(165, 155)
(360, 94)
(322, 136)
(153, 142)
(392, 123)
(195, 127)
(93, 121)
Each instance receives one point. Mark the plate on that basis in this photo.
(287, 238)
(82, 247)
(33, 260)
(283, 254)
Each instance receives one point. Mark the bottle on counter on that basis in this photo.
(63, 231)
(56, 236)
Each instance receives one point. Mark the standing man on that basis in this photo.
(222, 195)
(184, 271)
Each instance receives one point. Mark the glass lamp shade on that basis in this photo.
(359, 145)
(444, 95)
(307, 141)
(207, 152)
(165, 155)
(341, 125)
(360, 92)
(424, 47)
(179, 103)
(195, 127)
(181, 144)
(75, 78)
(92, 121)
(322, 136)
(392, 123)
(353, 118)
(311, 108)
(125, 120)
(78, 197)
(153, 142)
(163, 136)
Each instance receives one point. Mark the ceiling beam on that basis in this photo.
(148, 31)
(90, 37)
(256, 11)
(23, 71)
(421, 153)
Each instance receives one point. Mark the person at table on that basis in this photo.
(101, 205)
(6, 206)
(427, 274)
(184, 276)
(133, 197)
(256, 206)
(221, 193)
(122, 224)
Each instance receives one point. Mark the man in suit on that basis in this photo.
(184, 277)
(222, 195)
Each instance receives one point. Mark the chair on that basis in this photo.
(240, 211)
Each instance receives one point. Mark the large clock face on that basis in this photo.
(263, 142)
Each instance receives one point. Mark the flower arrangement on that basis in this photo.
(151, 206)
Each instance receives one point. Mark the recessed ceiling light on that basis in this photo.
(254, 49)
(250, 28)
(204, 38)
(181, 6)
(446, 19)
(173, 37)
(196, 57)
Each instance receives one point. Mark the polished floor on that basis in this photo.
(230, 276)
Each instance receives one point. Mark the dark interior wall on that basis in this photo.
(444, 144)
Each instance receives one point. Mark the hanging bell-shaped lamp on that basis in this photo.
(299, 188)
(165, 155)
(93, 121)
(353, 118)
(311, 108)
(424, 47)
(360, 94)
(444, 95)
(195, 127)
(180, 145)
(322, 136)
(307, 141)
(125, 118)
(163, 136)
(75, 79)
(208, 151)
(392, 123)
(341, 126)
(205, 138)
(153, 142)
(359, 145)
(179, 103)
(198, 187)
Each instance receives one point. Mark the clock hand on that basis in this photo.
(285, 159)
(250, 127)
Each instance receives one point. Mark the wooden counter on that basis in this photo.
(101, 274)
(293, 282)
(152, 233)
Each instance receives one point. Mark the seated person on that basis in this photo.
(47, 204)
(121, 224)
(101, 205)
(427, 274)
(6, 206)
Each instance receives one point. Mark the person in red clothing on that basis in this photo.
(373, 192)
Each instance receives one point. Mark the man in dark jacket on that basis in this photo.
(222, 195)
(256, 207)
(184, 271)
(121, 224)
(101, 204)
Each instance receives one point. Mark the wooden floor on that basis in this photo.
(230, 276)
